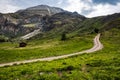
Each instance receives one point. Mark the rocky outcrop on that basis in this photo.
(61, 19)
(42, 10)
(10, 29)
(12, 24)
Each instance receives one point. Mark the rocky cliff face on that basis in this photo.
(42, 10)
(39, 17)
(62, 19)
(25, 21)
(56, 20)
(11, 27)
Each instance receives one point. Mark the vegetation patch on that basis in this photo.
(43, 48)
(103, 65)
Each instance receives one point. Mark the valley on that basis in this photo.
(97, 46)
(58, 45)
(97, 65)
(43, 48)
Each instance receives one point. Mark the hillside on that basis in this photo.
(74, 24)
(50, 33)
(25, 21)
(102, 65)
(100, 23)
(59, 21)
(42, 10)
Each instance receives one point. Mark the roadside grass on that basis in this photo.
(101, 65)
(43, 48)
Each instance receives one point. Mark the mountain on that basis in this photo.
(36, 37)
(74, 24)
(102, 23)
(39, 17)
(52, 22)
(42, 10)
(25, 21)
(11, 27)
(62, 19)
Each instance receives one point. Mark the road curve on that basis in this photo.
(97, 46)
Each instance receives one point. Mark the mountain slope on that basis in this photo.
(74, 24)
(25, 21)
(11, 28)
(101, 65)
(42, 10)
(97, 46)
(101, 23)
(53, 22)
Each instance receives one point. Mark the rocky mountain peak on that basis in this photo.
(42, 10)
(39, 7)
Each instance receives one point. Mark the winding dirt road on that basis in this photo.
(97, 46)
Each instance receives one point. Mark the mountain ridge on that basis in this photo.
(25, 21)
(41, 10)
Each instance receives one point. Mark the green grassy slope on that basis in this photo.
(73, 26)
(43, 48)
(101, 65)
(101, 23)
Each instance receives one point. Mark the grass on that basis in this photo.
(101, 65)
(43, 48)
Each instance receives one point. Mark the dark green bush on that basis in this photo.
(63, 36)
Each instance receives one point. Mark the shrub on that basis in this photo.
(64, 63)
(96, 30)
(3, 38)
(23, 72)
(63, 37)
(68, 68)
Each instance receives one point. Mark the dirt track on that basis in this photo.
(97, 46)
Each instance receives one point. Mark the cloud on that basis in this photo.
(78, 5)
(6, 6)
(113, 2)
(104, 9)
(91, 9)
(60, 2)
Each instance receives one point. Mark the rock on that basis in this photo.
(22, 44)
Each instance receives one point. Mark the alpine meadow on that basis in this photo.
(50, 43)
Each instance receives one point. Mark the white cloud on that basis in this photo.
(78, 5)
(104, 10)
(60, 2)
(6, 6)
(96, 9)
(73, 5)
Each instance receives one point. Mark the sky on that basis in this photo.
(88, 8)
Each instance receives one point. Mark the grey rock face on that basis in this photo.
(41, 18)
(41, 10)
